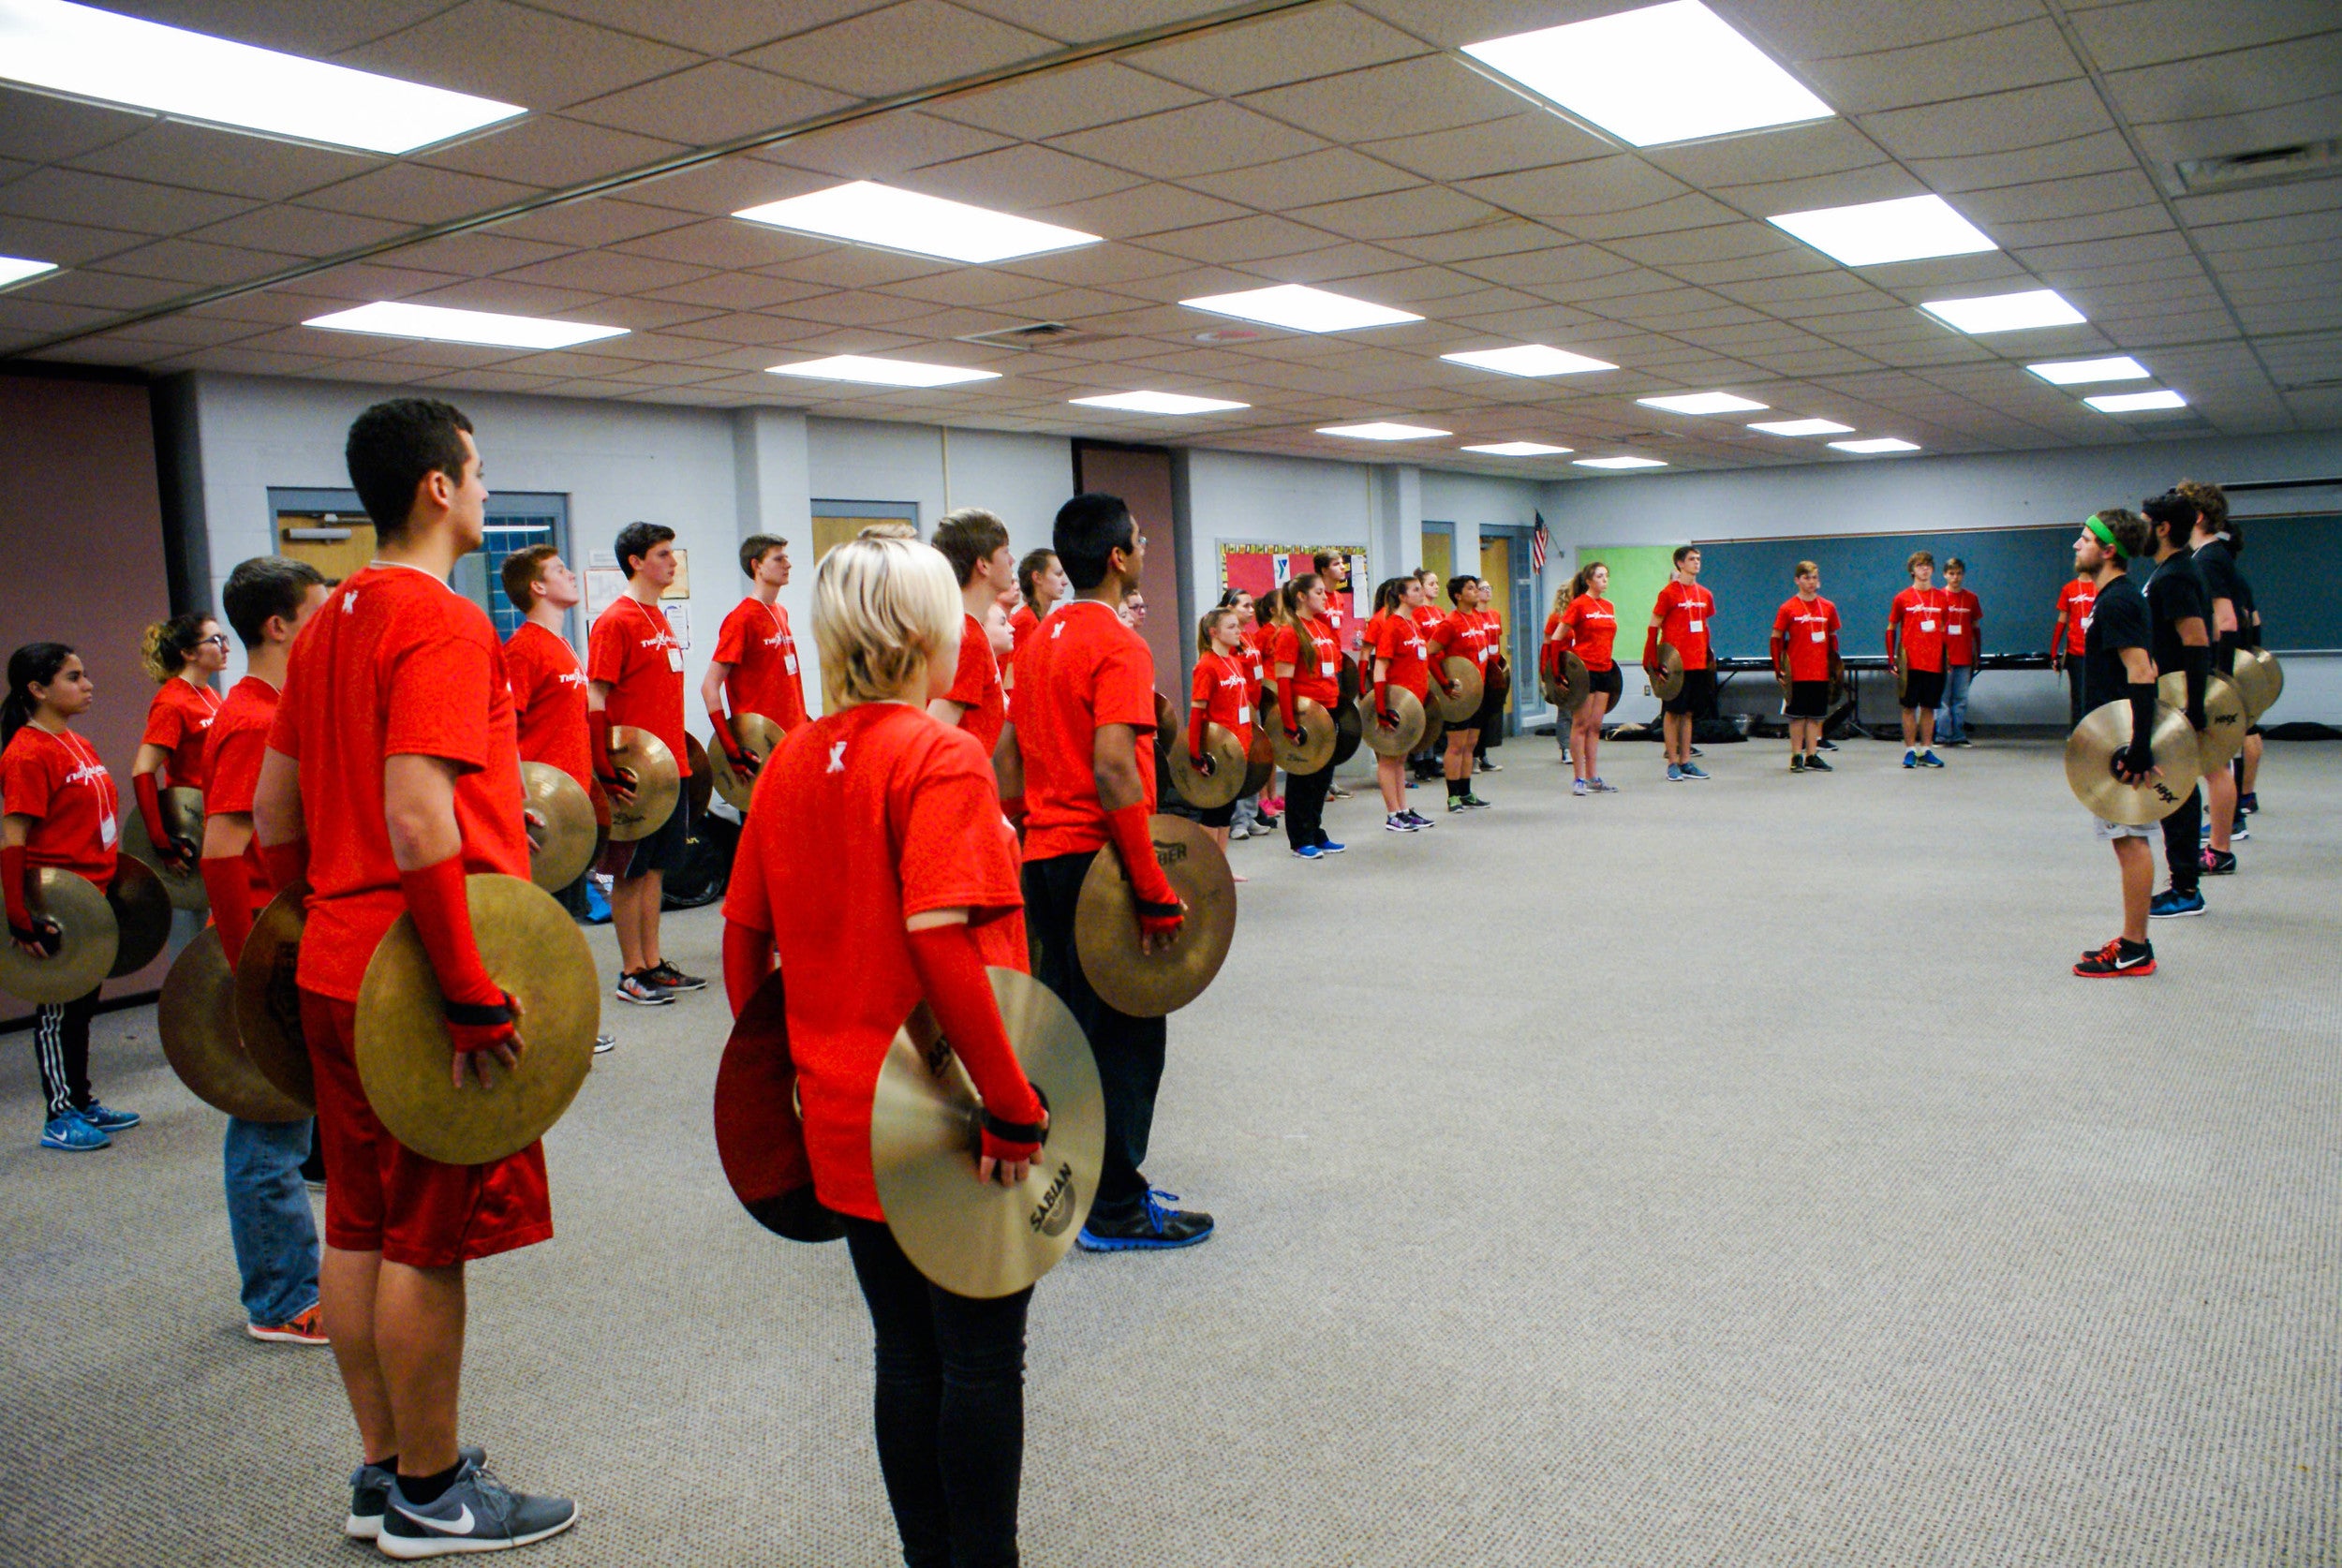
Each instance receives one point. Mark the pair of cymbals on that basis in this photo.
(1569, 692)
(142, 912)
(2223, 734)
(562, 828)
(2261, 680)
(181, 813)
(757, 735)
(2103, 733)
(1106, 924)
(1260, 763)
(1469, 687)
(88, 938)
(1224, 755)
(1349, 732)
(1400, 739)
(268, 997)
(1316, 749)
(196, 1015)
(644, 760)
(760, 1131)
(1667, 677)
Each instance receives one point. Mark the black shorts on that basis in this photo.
(1217, 816)
(664, 851)
(1809, 698)
(1698, 695)
(1923, 688)
(1609, 682)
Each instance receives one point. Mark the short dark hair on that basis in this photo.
(520, 572)
(1919, 558)
(2134, 535)
(1684, 550)
(1029, 570)
(392, 447)
(2171, 510)
(637, 539)
(1955, 564)
(968, 537)
(1090, 528)
(1458, 584)
(263, 587)
(1324, 559)
(755, 548)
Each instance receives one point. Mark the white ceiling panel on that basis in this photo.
(1432, 93)
(898, 47)
(518, 54)
(1291, 46)
(708, 103)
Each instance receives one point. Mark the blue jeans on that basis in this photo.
(268, 1215)
(1952, 719)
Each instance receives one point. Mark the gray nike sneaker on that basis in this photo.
(476, 1514)
(370, 1490)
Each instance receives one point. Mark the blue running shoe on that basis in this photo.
(370, 1493)
(1929, 760)
(1675, 773)
(1151, 1227)
(476, 1514)
(72, 1133)
(1693, 771)
(1910, 759)
(1327, 847)
(2171, 904)
(105, 1120)
(1307, 851)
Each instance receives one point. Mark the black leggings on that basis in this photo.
(2182, 842)
(61, 1044)
(950, 1406)
(1304, 807)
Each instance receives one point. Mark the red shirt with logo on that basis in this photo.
(1223, 690)
(549, 702)
(1400, 641)
(1591, 630)
(396, 664)
(1684, 612)
(1084, 669)
(1916, 620)
(178, 721)
(756, 642)
(976, 686)
(1321, 683)
(1963, 626)
(55, 778)
(1465, 634)
(635, 652)
(231, 761)
(1808, 630)
(2074, 602)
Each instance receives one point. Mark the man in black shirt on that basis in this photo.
(2227, 595)
(2212, 511)
(2118, 666)
(2182, 642)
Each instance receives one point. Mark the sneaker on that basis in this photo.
(1697, 752)
(476, 1514)
(370, 1491)
(1489, 765)
(2249, 802)
(1603, 786)
(1151, 1227)
(605, 1043)
(1675, 773)
(1474, 803)
(1828, 745)
(1457, 803)
(2171, 904)
(1337, 793)
(1693, 770)
(1910, 759)
(636, 989)
(2117, 958)
(1564, 753)
(1398, 821)
(2240, 832)
(1929, 760)
(668, 978)
(1578, 787)
(1814, 764)
(1419, 819)
(1797, 761)
(307, 1330)
(1268, 822)
(71, 1133)
(105, 1120)
(1307, 852)
(2216, 863)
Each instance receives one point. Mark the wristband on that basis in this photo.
(151, 812)
(2197, 663)
(2140, 755)
(1285, 700)
(287, 863)
(13, 871)
(959, 994)
(598, 732)
(1128, 828)
(1650, 647)
(442, 916)
(480, 1027)
(227, 878)
(2224, 653)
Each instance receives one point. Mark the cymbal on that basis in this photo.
(1168, 727)
(1470, 688)
(759, 1136)
(701, 782)
(534, 949)
(2259, 680)
(1497, 684)
(1577, 682)
(196, 1015)
(2089, 765)
(1317, 738)
(142, 916)
(974, 1238)
(1902, 667)
(182, 820)
(558, 853)
(86, 951)
(1106, 924)
(1401, 739)
(1346, 683)
(1668, 679)
(1260, 762)
(1349, 732)
(759, 737)
(1841, 684)
(1226, 779)
(657, 784)
(2223, 734)
(268, 995)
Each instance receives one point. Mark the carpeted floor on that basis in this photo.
(1710, 1173)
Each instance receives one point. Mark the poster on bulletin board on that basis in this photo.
(1258, 569)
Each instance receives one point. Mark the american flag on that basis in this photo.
(1539, 539)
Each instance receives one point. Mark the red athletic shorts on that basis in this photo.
(381, 1195)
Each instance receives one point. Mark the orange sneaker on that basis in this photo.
(307, 1330)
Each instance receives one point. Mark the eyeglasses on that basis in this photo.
(219, 637)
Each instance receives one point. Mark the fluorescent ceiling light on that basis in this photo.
(2075, 372)
(875, 215)
(1876, 444)
(1803, 427)
(1158, 403)
(1301, 308)
(882, 373)
(1618, 463)
(15, 269)
(2135, 403)
(440, 324)
(1906, 229)
(1382, 430)
(2005, 313)
(1520, 448)
(1666, 73)
(1529, 358)
(1701, 403)
(90, 54)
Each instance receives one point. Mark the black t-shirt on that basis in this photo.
(2221, 580)
(2116, 619)
(2174, 593)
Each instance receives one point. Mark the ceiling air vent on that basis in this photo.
(1034, 334)
(2303, 160)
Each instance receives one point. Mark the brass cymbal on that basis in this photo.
(183, 821)
(1497, 684)
(2269, 661)
(1226, 779)
(1168, 727)
(1470, 688)
(759, 1136)
(701, 781)
(1349, 732)
(534, 949)
(1577, 682)
(558, 853)
(645, 758)
(1317, 738)
(759, 736)
(1401, 739)
(977, 1238)
(1668, 679)
(1106, 924)
(1841, 684)
(268, 997)
(1260, 762)
(2223, 734)
(1346, 683)
(1902, 667)
(2259, 680)
(142, 916)
(85, 948)
(2090, 757)
(196, 1015)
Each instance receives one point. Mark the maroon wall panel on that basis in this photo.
(1142, 477)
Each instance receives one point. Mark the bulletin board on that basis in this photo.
(1258, 567)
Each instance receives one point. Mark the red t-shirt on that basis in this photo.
(1083, 670)
(762, 652)
(396, 664)
(231, 761)
(1592, 630)
(57, 780)
(1426, 616)
(976, 686)
(2073, 601)
(1683, 613)
(178, 721)
(1810, 633)
(1223, 689)
(1255, 665)
(1323, 684)
(549, 702)
(634, 651)
(878, 813)
(1917, 618)
(1400, 641)
(1963, 626)
(1464, 633)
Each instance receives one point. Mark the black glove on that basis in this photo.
(2224, 653)
(2197, 662)
(2137, 760)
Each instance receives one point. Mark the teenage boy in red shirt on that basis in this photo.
(1963, 643)
(1915, 621)
(755, 669)
(2069, 641)
(1804, 639)
(976, 541)
(393, 772)
(1682, 619)
(1466, 633)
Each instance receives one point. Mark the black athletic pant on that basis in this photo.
(2078, 710)
(61, 1042)
(1129, 1050)
(1305, 805)
(950, 1405)
(2182, 842)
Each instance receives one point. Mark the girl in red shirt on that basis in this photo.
(1246, 821)
(1401, 659)
(1222, 694)
(1310, 676)
(60, 809)
(183, 654)
(1589, 629)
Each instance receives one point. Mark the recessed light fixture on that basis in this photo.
(1701, 403)
(1520, 448)
(1876, 444)
(2005, 313)
(1301, 308)
(1908, 229)
(1803, 427)
(867, 214)
(1529, 358)
(882, 373)
(90, 54)
(1618, 463)
(1665, 73)
(444, 324)
(16, 269)
(1382, 430)
(2078, 372)
(2135, 403)
(1158, 403)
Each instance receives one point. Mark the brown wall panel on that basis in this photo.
(1142, 477)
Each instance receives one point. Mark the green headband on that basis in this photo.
(2103, 534)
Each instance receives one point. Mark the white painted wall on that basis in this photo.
(1024, 478)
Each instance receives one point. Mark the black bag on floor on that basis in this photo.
(706, 869)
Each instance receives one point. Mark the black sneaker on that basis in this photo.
(1797, 761)
(668, 978)
(2248, 803)
(1474, 803)
(2118, 959)
(1814, 764)
(476, 1514)
(642, 991)
(2218, 862)
(1151, 1227)
(1827, 744)
(2172, 904)
(370, 1493)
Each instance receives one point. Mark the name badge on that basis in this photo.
(674, 659)
(106, 829)
(1925, 626)
(1821, 637)
(790, 661)
(1243, 713)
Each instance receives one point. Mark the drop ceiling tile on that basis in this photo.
(1027, 178)
(67, 245)
(851, 308)
(1691, 210)
(606, 272)
(113, 291)
(1555, 267)
(1408, 214)
(2069, 196)
(728, 243)
(192, 262)
(298, 231)
(517, 54)
(1584, 189)
(410, 193)
(1292, 46)
(967, 286)
(1412, 98)
(41, 130)
(174, 152)
(479, 254)
(510, 298)
(886, 147)
(1056, 103)
(2239, 206)
(2121, 225)
(1799, 261)
(1483, 241)
(2047, 258)
(2027, 53)
(604, 220)
(2153, 32)
(1253, 238)
(1204, 139)
(73, 196)
(710, 103)
(1329, 175)
(899, 47)
(491, 381)
(1141, 209)
(2256, 88)
(551, 150)
(1723, 242)
(855, 267)
(1993, 123)
(2096, 152)
(356, 282)
(747, 330)
(1878, 182)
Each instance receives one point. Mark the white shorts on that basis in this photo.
(2109, 832)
